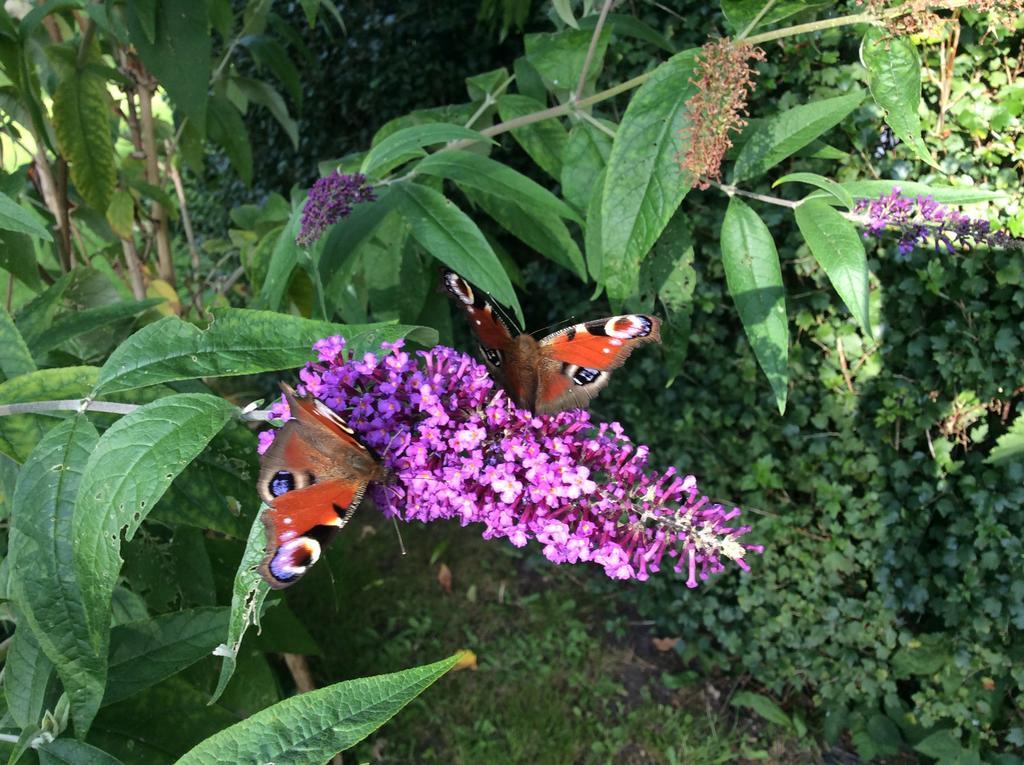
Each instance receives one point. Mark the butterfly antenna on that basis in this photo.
(398, 533)
(553, 324)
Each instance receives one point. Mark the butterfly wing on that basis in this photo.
(494, 329)
(312, 477)
(576, 362)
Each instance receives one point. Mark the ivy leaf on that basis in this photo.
(47, 589)
(754, 278)
(315, 726)
(895, 68)
(81, 109)
(643, 185)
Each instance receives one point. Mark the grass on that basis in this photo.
(565, 674)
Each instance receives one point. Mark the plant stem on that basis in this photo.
(593, 46)
(489, 100)
(135, 278)
(777, 201)
(165, 264)
(67, 405)
(597, 123)
(756, 20)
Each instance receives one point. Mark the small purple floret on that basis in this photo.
(461, 450)
(330, 199)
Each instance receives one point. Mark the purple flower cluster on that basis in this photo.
(918, 219)
(460, 449)
(330, 199)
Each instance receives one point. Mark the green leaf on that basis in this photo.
(839, 249)
(452, 237)
(35, 318)
(68, 751)
(181, 55)
(408, 143)
(564, 10)
(19, 433)
(947, 195)
(763, 706)
(583, 160)
(772, 140)
(127, 473)
(284, 257)
(495, 178)
(18, 257)
(226, 128)
(14, 218)
(261, 93)
(754, 277)
(315, 726)
(643, 186)
(81, 120)
(1010, 445)
(559, 56)
(74, 324)
(625, 25)
(592, 236)
(740, 13)
(271, 54)
(540, 230)
(842, 195)
(15, 358)
(121, 214)
(895, 69)
(47, 590)
(237, 342)
(8, 478)
(544, 141)
(144, 653)
(248, 594)
(884, 735)
(347, 234)
(945, 746)
(27, 673)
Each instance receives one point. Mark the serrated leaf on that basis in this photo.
(47, 590)
(81, 120)
(127, 473)
(74, 324)
(19, 433)
(144, 653)
(772, 140)
(754, 277)
(544, 141)
(226, 128)
(237, 342)
(121, 214)
(1010, 445)
(583, 160)
(838, 247)
(14, 218)
(447, 233)
(842, 195)
(895, 68)
(15, 358)
(317, 725)
(643, 185)
(68, 751)
(248, 593)
(408, 143)
(27, 673)
(763, 706)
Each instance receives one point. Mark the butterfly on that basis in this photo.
(313, 477)
(564, 370)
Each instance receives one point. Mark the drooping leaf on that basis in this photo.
(408, 144)
(18, 257)
(180, 54)
(27, 673)
(15, 358)
(1010, 445)
(14, 218)
(643, 185)
(226, 128)
(583, 160)
(19, 433)
(47, 589)
(842, 195)
(144, 653)
(895, 68)
(81, 119)
(544, 141)
(271, 54)
(121, 214)
(69, 751)
(263, 94)
(317, 725)
(127, 473)
(838, 247)
(754, 277)
(769, 141)
(237, 342)
(452, 237)
(74, 324)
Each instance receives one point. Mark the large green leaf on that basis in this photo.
(127, 473)
(559, 56)
(408, 144)
(347, 234)
(81, 119)
(35, 317)
(544, 141)
(19, 433)
(836, 244)
(452, 237)
(583, 160)
(143, 653)
(68, 751)
(895, 69)
(495, 178)
(754, 277)
(643, 185)
(625, 25)
(15, 358)
(27, 673)
(180, 56)
(237, 342)
(262, 93)
(284, 257)
(248, 594)
(740, 13)
(46, 589)
(592, 236)
(226, 128)
(14, 218)
(538, 229)
(1010, 445)
(767, 142)
(947, 195)
(18, 257)
(317, 725)
(79, 322)
(840, 194)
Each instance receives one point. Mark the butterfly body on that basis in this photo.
(564, 370)
(313, 477)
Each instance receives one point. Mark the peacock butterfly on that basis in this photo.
(313, 477)
(564, 370)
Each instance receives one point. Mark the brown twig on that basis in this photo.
(186, 223)
(165, 264)
(135, 277)
(843, 365)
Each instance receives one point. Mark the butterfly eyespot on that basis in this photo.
(293, 558)
(282, 483)
(628, 327)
